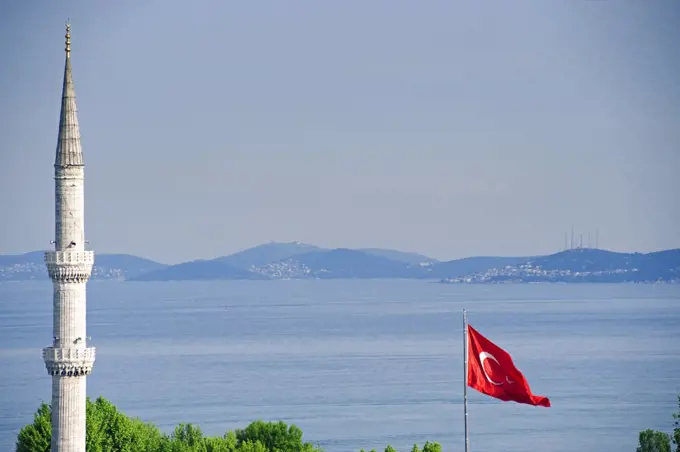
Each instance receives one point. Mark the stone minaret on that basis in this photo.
(69, 360)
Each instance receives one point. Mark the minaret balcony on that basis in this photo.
(69, 266)
(68, 257)
(69, 362)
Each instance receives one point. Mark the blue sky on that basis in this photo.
(451, 128)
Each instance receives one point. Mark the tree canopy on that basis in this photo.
(656, 441)
(428, 447)
(109, 430)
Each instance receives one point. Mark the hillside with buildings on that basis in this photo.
(581, 266)
(340, 263)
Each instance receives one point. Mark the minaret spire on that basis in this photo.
(69, 360)
(68, 144)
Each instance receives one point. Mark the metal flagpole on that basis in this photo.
(465, 374)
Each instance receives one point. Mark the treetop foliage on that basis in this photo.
(655, 441)
(109, 430)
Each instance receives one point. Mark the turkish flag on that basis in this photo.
(492, 372)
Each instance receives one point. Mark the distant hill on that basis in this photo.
(199, 270)
(301, 261)
(264, 254)
(297, 260)
(583, 266)
(595, 260)
(31, 266)
(272, 252)
(400, 256)
(339, 263)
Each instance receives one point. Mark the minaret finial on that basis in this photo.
(68, 38)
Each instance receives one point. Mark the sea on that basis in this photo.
(362, 363)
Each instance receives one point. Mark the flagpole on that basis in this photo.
(465, 372)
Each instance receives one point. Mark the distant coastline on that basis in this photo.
(295, 260)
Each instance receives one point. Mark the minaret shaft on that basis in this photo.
(69, 208)
(69, 316)
(69, 360)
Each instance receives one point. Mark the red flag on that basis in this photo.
(492, 372)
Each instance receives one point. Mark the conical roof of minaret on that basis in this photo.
(69, 152)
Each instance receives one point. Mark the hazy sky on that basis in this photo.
(452, 128)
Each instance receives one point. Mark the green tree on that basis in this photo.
(432, 447)
(109, 430)
(188, 438)
(275, 436)
(654, 441)
(428, 447)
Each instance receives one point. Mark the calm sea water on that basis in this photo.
(362, 363)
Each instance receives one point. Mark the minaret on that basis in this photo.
(69, 361)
